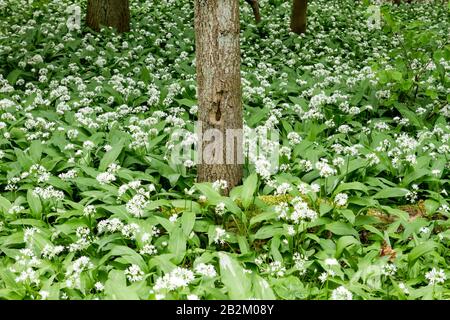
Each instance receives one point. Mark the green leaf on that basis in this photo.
(261, 288)
(431, 206)
(116, 287)
(36, 148)
(127, 254)
(348, 214)
(234, 278)
(34, 202)
(343, 243)
(13, 76)
(4, 204)
(391, 193)
(341, 229)
(421, 250)
(177, 244)
(249, 190)
(269, 231)
(243, 244)
(289, 288)
(351, 186)
(111, 156)
(206, 189)
(187, 222)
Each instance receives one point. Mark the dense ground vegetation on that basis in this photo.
(92, 204)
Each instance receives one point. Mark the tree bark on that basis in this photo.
(109, 13)
(255, 7)
(298, 16)
(219, 91)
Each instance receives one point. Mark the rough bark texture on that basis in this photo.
(109, 13)
(298, 16)
(255, 7)
(219, 89)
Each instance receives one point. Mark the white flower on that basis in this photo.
(44, 294)
(424, 230)
(403, 287)
(173, 218)
(137, 205)
(341, 199)
(341, 293)
(88, 145)
(105, 178)
(220, 184)
(220, 236)
(436, 276)
(89, 210)
(99, 286)
(315, 187)
(177, 278)
(206, 270)
(134, 273)
(325, 170)
(148, 249)
(389, 269)
(220, 208)
(291, 230)
(283, 188)
(331, 262)
(276, 269)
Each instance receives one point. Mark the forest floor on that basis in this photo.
(93, 204)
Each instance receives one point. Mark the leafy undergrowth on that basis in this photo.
(93, 205)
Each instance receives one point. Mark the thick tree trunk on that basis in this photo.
(298, 16)
(218, 61)
(255, 7)
(108, 13)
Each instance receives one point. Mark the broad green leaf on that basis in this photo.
(421, 250)
(343, 243)
(237, 282)
(187, 222)
(351, 186)
(110, 156)
(34, 202)
(177, 244)
(391, 193)
(261, 288)
(341, 228)
(116, 287)
(249, 189)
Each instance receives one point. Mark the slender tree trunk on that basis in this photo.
(109, 13)
(220, 154)
(255, 7)
(298, 16)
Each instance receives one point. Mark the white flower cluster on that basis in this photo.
(49, 251)
(299, 211)
(177, 278)
(206, 270)
(74, 271)
(325, 170)
(341, 199)
(134, 273)
(341, 293)
(436, 276)
(48, 193)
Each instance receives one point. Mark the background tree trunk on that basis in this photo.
(298, 16)
(109, 13)
(219, 88)
(255, 7)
